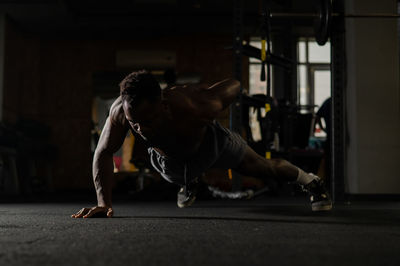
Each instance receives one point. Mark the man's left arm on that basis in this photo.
(224, 91)
(213, 100)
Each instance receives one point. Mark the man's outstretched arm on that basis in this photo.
(111, 139)
(201, 101)
(224, 91)
(211, 101)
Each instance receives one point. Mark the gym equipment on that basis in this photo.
(323, 18)
(268, 123)
(322, 22)
(275, 60)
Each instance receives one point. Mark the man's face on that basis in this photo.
(144, 118)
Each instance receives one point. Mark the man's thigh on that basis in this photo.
(233, 153)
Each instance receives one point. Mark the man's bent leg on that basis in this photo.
(255, 165)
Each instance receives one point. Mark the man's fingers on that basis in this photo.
(80, 213)
(91, 212)
(110, 213)
(94, 212)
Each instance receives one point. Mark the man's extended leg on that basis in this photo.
(255, 165)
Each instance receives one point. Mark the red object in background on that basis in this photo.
(117, 162)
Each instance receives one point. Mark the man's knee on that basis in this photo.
(279, 163)
(250, 159)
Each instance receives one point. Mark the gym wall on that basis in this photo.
(373, 100)
(2, 40)
(50, 80)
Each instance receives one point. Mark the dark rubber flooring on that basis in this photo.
(259, 232)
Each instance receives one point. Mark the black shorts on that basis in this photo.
(221, 148)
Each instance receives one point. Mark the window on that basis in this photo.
(314, 76)
(313, 73)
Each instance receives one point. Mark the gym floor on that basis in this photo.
(259, 232)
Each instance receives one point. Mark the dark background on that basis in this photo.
(54, 48)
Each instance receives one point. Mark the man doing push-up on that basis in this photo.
(184, 140)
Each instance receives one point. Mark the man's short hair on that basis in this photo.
(140, 86)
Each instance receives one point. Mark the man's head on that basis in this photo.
(139, 87)
(141, 101)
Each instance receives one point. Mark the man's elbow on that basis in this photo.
(236, 82)
(233, 89)
(233, 83)
(235, 86)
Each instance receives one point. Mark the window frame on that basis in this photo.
(310, 71)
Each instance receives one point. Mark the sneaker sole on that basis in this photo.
(186, 204)
(321, 208)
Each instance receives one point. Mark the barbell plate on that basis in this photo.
(323, 18)
(322, 22)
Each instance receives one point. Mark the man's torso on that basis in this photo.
(181, 134)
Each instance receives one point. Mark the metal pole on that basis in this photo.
(377, 15)
(338, 126)
(236, 107)
(316, 15)
(293, 15)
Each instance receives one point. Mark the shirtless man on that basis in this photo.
(184, 140)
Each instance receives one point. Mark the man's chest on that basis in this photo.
(180, 140)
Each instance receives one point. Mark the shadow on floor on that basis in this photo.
(296, 214)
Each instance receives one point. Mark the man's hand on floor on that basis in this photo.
(97, 211)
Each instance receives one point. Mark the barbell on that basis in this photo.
(323, 18)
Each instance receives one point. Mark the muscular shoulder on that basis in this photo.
(117, 115)
(188, 103)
